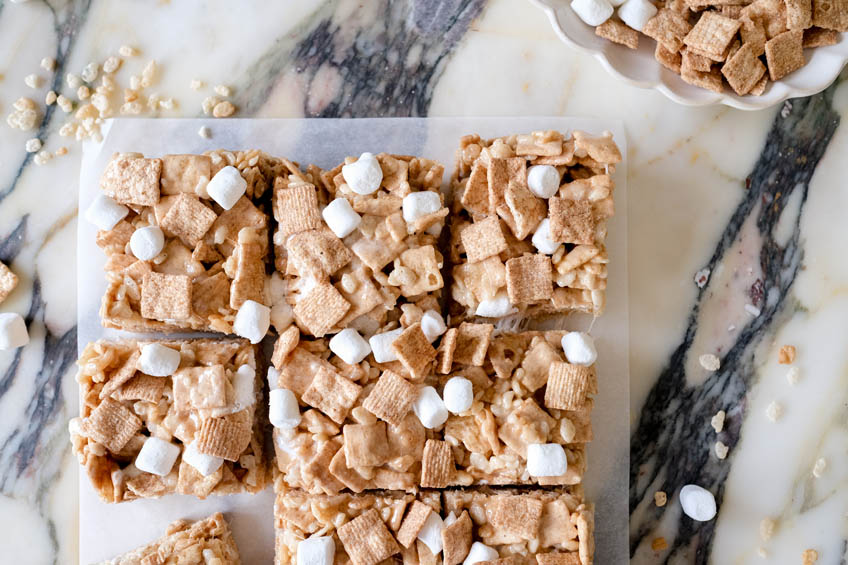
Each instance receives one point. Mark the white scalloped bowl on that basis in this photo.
(638, 66)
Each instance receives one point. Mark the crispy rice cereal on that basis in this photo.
(358, 430)
(205, 541)
(121, 407)
(490, 187)
(213, 259)
(365, 279)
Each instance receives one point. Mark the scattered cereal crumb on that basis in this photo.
(660, 498)
(761, 552)
(48, 64)
(148, 74)
(73, 81)
(42, 157)
(50, 97)
(717, 421)
(223, 90)
(709, 362)
(112, 64)
(731, 327)
(702, 277)
(90, 72)
(786, 356)
(196, 84)
(774, 411)
(133, 107)
(25, 115)
(721, 450)
(204, 132)
(61, 151)
(209, 104)
(65, 104)
(659, 544)
(68, 129)
(33, 145)
(819, 467)
(752, 310)
(810, 556)
(168, 104)
(135, 82)
(33, 81)
(223, 109)
(83, 92)
(767, 527)
(793, 375)
(787, 108)
(127, 51)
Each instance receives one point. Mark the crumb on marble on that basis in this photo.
(767, 527)
(112, 64)
(819, 467)
(660, 498)
(209, 104)
(149, 74)
(90, 71)
(196, 84)
(702, 277)
(42, 157)
(61, 151)
(204, 132)
(721, 450)
(25, 116)
(33, 81)
(809, 556)
(717, 421)
(73, 81)
(223, 109)
(793, 375)
(761, 552)
(659, 544)
(752, 310)
(709, 362)
(33, 145)
(786, 356)
(83, 93)
(127, 51)
(65, 103)
(774, 411)
(50, 97)
(223, 90)
(48, 64)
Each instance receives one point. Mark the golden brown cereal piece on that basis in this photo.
(601, 148)
(391, 398)
(733, 12)
(799, 14)
(447, 347)
(365, 445)
(516, 517)
(225, 437)
(284, 345)
(332, 394)
(669, 28)
(483, 239)
(210, 294)
(809, 557)
(539, 143)
(315, 471)
(196, 388)
(558, 558)
(743, 70)
(475, 197)
(818, 37)
(668, 59)
(830, 14)
(122, 375)
(185, 173)
(296, 209)
(188, 219)
(249, 283)
(413, 522)
(111, 424)
(347, 476)
(618, 32)
(320, 309)
(8, 281)
(760, 87)
(711, 80)
(525, 210)
(366, 539)
(528, 279)
(753, 33)
(141, 387)
(456, 539)
(166, 297)
(712, 35)
(696, 62)
(786, 356)
(472, 343)
(500, 172)
(317, 253)
(437, 465)
(572, 221)
(568, 385)
(785, 53)
(414, 351)
(132, 180)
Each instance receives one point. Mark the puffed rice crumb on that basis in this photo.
(42, 157)
(90, 72)
(66, 104)
(660, 498)
(223, 109)
(33, 145)
(204, 132)
(68, 129)
(135, 82)
(761, 552)
(50, 97)
(33, 81)
(112, 64)
(196, 84)
(61, 151)
(148, 74)
(721, 450)
(774, 411)
(83, 92)
(133, 108)
(767, 527)
(209, 104)
(717, 421)
(709, 362)
(48, 64)
(786, 355)
(819, 467)
(793, 375)
(73, 81)
(25, 115)
(223, 90)
(809, 556)
(127, 51)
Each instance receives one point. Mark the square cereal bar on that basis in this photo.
(196, 430)
(376, 253)
(529, 222)
(210, 260)
(205, 541)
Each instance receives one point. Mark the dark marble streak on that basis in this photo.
(674, 424)
(379, 79)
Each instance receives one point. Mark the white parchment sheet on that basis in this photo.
(110, 529)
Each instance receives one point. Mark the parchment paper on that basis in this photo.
(107, 530)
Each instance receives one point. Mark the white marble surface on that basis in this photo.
(689, 207)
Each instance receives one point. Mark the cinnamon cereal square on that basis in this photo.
(483, 239)
(366, 539)
(830, 14)
(365, 445)
(785, 53)
(296, 208)
(391, 398)
(132, 180)
(438, 467)
(185, 173)
(188, 219)
(528, 279)
(226, 437)
(320, 309)
(412, 523)
(799, 14)
(572, 221)
(743, 70)
(166, 297)
(332, 394)
(567, 386)
(414, 351)
(712, 35)
(618, 32)
(668, 28)
(8, 281)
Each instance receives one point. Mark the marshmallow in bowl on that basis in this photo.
(364, 175)
(157, 456)
(579, 348)
(105, 213)
(226, 187)
(698, 503)
(158, 360)
(542, 239)
(543, 180)
(419, 204)
(350, 346)
(592, 12)
(636, 13)
(546, 460)
(340, 217)
(252, 321)
(147, 242)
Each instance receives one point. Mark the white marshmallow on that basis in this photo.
(273, 378)
(419, 204)
(546, 460)
(105, 213)
(543, 180)
(592, 12)
(283, 410)
(13, 331)
(698, 503)
(340, 217)
(252, 321)
(636, 13)
(226, 187)
(542, 239)
(147, 242)
(430, 408)
(244, 381)
(381, 345)
(364, 175)
(458, 394)
(450, 519)
(431, 533)
(496, 307)
(203, 463)
(320, 550)
(433, 325)
(157, 360)
(157, 456)
(579, 348)
(480, 552)
(350, 346)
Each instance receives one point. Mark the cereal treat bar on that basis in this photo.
(181, 416)
(529, 224)
(206, 541)
(355, 243)
(186, 239)
(475, 409)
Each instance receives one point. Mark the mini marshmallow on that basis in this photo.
(579, 348)
(636, 13)
(283, 410)
(496, 307)
(319, 550)
(381, 345)
(364, 175)
(419, 204)
(542, 239)
(157, 360)
(430, 408)
(157, 456)
(480, 552)
(340, 217)
(13, 331)
(273, 378)
(458, 394)
(450, 519)
(226, 187)
(203, 463)
(592, 12)
(350, 346)
(546, 460)
(431, 533)
(252, 321)
(543, 180)
(147, 242)
(433, 325)
(105, 213)
(244, 381)
(698, 503)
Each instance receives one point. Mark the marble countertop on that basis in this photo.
(758, 199)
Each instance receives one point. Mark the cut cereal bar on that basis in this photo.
(204, 541)
(177, 416)
(191, 248)
(529, 223)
